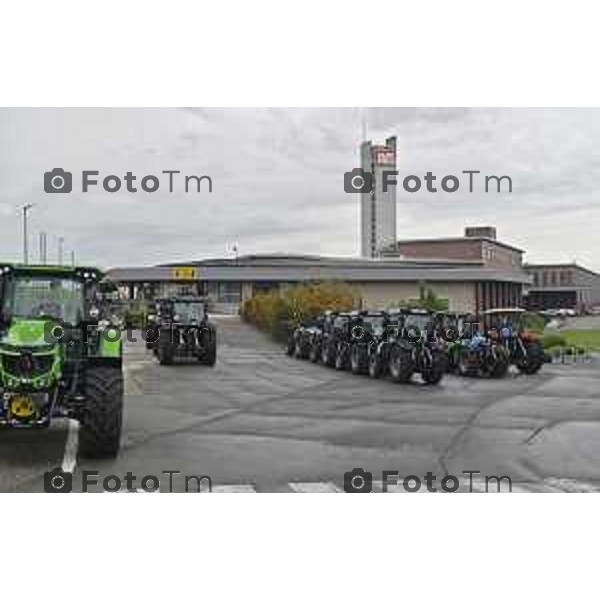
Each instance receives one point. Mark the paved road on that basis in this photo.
(587, 322)
(260, 421)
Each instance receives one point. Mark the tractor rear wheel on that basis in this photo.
(165, 354)
(101, 416)
(533, 360)
(290, 346)
(208, 342)
(211, 354)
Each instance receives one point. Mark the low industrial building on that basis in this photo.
(470, 285)
(566, 285)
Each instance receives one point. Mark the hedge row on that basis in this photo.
(278, 313)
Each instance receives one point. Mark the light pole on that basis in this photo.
(26, 208)
(61, 241)
(43, 247)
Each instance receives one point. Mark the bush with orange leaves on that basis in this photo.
(278, 312)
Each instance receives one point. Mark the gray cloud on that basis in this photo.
(278, 178)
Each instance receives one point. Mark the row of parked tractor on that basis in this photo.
(401, 343)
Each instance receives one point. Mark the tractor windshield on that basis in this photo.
(421, 321)
(374, 323)
(189, 311)
(55, 297)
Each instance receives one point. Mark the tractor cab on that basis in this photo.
(419, 325)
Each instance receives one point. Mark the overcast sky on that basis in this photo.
(278, 179)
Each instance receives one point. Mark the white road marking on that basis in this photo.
(70, 456)
(323, 487)
(572, 485)
(234, 489)
(479, 486)
(134, 491)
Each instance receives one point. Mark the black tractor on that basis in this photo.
(379, 346)
(300, 341)
(335, 347)
(184, 331)
(367, 329)
(417, 348)
(319, 334)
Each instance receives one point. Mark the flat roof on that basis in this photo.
(569, 265)
(458, 239)
(290, 269)
(294, 260)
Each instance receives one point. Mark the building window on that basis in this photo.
(536, 279)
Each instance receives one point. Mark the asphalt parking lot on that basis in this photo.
(260, 421)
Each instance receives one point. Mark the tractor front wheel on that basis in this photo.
(499, 367)
(358, 358)
(433, 375)
(101, 415)
(315, 352)
(375, 365)
(341, 357)
(401, 365)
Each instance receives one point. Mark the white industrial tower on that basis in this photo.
(378, 207)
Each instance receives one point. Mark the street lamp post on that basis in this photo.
(26, 208)
(43, 236)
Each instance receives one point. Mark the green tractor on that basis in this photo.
(59, 356)
(469, 352)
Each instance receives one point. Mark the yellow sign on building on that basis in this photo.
(184, 273)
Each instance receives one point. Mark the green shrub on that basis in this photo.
(553, 340)
(278, 313)
(427, 300)
(534, 322)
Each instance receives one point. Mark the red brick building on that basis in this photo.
(479, 245)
